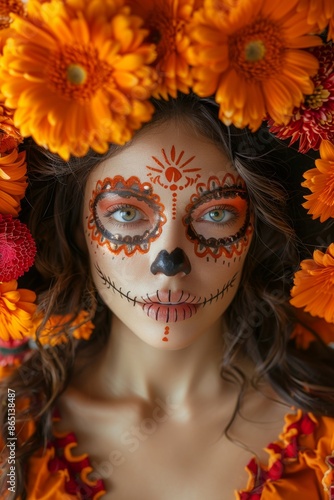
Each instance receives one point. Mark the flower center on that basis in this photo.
(256, 51)
(76, 72)
(319, 96)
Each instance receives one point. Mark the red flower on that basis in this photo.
(17, 248)
(313, 121)
(13, 352)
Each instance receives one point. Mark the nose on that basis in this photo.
(172, 263)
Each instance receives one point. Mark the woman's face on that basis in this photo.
(167, 224)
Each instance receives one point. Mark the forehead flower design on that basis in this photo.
(173, 172)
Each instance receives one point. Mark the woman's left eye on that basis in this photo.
(127, 214)
(217, 215)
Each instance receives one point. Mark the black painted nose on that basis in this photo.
(172, 263)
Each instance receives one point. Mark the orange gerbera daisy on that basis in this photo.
(331, 29)
(13, 182)
(57, 328)
(320, 181)
(166, 20)
(16, 310)
(318, 12)
(251, 58)
(7, 127)
(314, 285)
(78, 75)
(303, 333)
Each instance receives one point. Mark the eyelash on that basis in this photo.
(228, 208)
(108, 214)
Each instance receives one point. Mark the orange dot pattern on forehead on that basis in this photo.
(118, 194)
(172, 171)
(174, 195)
(166, 332)
(227, 195)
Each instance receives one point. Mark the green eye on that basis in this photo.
(127, 214)
(216, 215)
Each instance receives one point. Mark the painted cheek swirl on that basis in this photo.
(218, 217)
(172, 171)
(125, 215)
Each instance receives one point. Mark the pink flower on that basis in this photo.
(17, 248)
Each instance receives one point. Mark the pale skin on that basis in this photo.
(150, 410)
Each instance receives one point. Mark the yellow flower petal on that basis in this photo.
(314, 285)
(61, 57)
(261, 47)
(16, 310)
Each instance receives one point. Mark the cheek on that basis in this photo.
(119, 270)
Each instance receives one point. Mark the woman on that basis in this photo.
(178, 246)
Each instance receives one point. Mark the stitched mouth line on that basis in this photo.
(201, 301)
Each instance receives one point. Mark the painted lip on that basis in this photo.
(170, 307)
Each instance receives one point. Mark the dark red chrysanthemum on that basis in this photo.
(17, 248)
(313, 121)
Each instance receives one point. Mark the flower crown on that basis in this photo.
(79, 74)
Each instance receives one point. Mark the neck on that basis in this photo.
(131, 368)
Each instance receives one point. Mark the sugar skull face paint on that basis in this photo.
(146, 259)
(218, 217)
(125, 215)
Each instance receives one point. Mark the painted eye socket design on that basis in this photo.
(218, 219)
(221, 222)
(125, 215)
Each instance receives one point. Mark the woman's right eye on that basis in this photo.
(126, 214)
